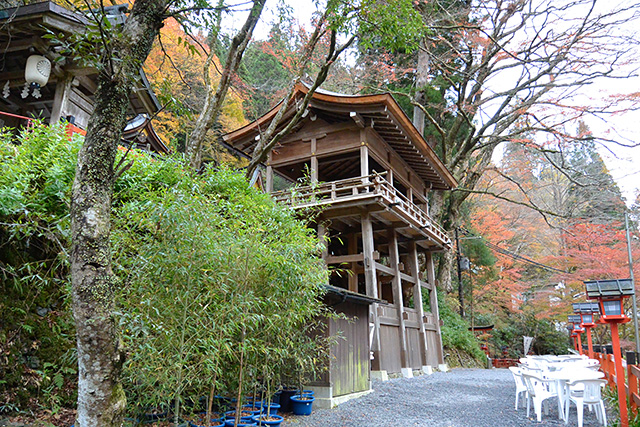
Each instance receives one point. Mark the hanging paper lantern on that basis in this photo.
(37, 70)
(36, 75)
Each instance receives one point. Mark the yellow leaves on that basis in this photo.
(176, 69)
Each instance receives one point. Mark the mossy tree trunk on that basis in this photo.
(101, 400)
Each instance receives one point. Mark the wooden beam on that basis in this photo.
(340, 259)
(408, 278)
(426, 285)
(352, 246)
(386, 270)
(356, 117)
(60, 99)
(17, 45)
(431, 278)
(396, 286)
(371, 285)
(414, 268)
(88, 83)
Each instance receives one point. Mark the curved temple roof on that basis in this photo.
(381, 112)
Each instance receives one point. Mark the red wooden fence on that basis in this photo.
(504, 363)
(632, 376)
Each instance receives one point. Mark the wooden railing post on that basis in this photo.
(632, 379)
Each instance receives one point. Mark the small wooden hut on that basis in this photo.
(370, 172)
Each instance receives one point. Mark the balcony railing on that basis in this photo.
(361, 188)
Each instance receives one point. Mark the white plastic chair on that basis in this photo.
(539, 390)
(521, 387)
(587, 392)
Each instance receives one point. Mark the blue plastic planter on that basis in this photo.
(231, 415)
(230, 423)
(302, 405)
(220, 421)
(255, 407)
(272, 410)
(285, 399)
(260, 422)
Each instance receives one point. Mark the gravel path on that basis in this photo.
(459, 398)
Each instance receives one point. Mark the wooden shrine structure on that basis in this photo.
(68, 93)
(370, 172)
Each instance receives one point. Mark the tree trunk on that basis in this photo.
(101, 400)
(213, 101)
(422, 78)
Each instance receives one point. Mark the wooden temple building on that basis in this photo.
(370, 172)
(68, 89)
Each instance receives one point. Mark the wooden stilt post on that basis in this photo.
(431, 277)
(352, 244)
(368, 245)
(396, 284)
(417, 299)
(314, 162)
(60, 99)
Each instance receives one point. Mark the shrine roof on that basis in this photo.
(378, 111)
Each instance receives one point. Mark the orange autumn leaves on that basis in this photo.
(175, 69)
(584, 247)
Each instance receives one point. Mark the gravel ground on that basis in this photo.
(459, 398)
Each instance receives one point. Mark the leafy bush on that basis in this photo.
(214, 275)
(236, 277)
(455, 332)
(36, 332)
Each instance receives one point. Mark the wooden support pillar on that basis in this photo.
(60, 99)
(314, 162)
(322, 237)
(417, 299)
(390, 176)
(431, 278)
(352, 246)
(368, 246)
(364, 160)
(269, 177)
(396, 284)
(367, 250)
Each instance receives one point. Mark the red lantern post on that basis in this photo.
(610, 295)
(576, 331)
(586, 311)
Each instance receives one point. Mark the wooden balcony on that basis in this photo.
(373, 191)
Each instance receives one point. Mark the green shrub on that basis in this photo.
(455, 332)
(36, 332)
(212, 272)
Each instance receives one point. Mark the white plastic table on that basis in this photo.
(563, 377)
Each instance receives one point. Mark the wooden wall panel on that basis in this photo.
(390, 358)
(291, 153)
(350, 355)
(413, 347)
(432, 353)
(339, 142)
